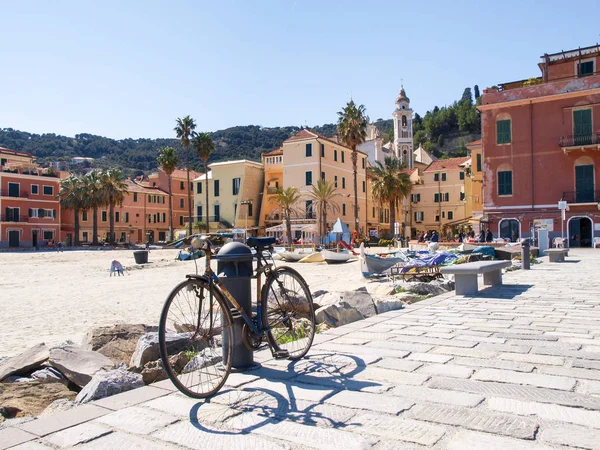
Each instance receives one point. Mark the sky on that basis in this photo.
(128, 69)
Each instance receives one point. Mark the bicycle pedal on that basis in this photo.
(281, 354)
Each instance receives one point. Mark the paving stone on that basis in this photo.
(77, 435)
(350, 340)
(399, 347)
(398, 364)
(469, 352)
(290, 391)
(429, 357)
(372, 402)
(586, 364)
(447, 370)
(12, 436)
(398, 428)
(137, 420)
(336, 382)
(505, 348)
(588, 387)
(532, 379)
(558, 351)
(476, 420)
(494, 364)
(472, 440)
(130, 398)
(32, 445)
(571, 435)
(388, 376)
(516, 391)
(546, 411)
(124, 441)
(365, 354)
(45, 425)
(533, 359)
(408, 332)
(421, 393)
(435, 341)
(488, 340)
(177, 405)
(571, 372)
(235, 380)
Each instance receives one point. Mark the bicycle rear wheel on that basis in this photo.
(288, 312)
(196, 339)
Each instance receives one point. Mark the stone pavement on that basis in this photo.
(516, 367)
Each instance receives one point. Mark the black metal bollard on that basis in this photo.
(234, 269)
(525, 254)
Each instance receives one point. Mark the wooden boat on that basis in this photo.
(292, 256)
(313, 258)
(331, 257)
(372, 265)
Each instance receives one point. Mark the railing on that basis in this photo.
(12, 218)
(582, 196)
(579, 140)
(20, 194)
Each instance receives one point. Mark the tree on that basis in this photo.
(462, 148)
(168, 162)
(420, 138)
(93, 199)
(390, 185)
(477, 94)
(286, 201)
(352, 127)
(185, 129)
(323, 193)
(204, 146)
(467, 96)
(72, 196)
(113, 190)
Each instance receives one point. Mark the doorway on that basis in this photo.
(509, 229)
(580, 232)
(34, 238)
(13, 238)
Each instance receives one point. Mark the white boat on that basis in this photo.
(292, 256)
(371, 265)
(331, 257)
(312, 258)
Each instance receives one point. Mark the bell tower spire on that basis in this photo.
(403, 134)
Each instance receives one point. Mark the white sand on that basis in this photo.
(51, 297)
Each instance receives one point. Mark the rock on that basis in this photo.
(27, 361)
(408, 297)
(30, 399)
(105, 384)
(361, 300)
(153, 370)
(425, 288)
(147, 350)
(116, 342)
(49, 375)
(201, 361)
(380, 288)
(328, 298)
(337, 315)
(446, 285)
(78, 365)
(388, 303)
(62, 404)
(17, 379)
(318, 293)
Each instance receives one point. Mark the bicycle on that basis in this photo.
(196, 332)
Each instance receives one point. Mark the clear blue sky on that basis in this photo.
(130, 68)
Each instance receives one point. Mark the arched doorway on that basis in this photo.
(580, 231)
(509, 229)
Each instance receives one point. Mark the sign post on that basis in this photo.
(562, 206)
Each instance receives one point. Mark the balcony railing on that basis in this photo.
(20, 194)
(13, 218)
(581, 140)
(582, 196)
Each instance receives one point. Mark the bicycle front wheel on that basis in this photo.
(288, 312)
(196, 338)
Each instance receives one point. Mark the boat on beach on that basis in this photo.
(292, 256)
(313, 258)
(332, 257)
(371, 265)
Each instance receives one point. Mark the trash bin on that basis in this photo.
(141, 256)
(525, 254)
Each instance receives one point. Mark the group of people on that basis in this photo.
(432, 236)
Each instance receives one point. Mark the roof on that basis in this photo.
(201, 177)
(474, 143)
(180, 173)
(448, 164)
(132, 186)
(576, 53)
(408, 171)
(307, 134)
(7, 151)
(276, 152)
(238, 161)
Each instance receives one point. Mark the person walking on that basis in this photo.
(481, 237)
(434, 241)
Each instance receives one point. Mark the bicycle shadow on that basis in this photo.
(320, 377)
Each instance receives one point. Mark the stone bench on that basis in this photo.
(465, 275)
(557, 254)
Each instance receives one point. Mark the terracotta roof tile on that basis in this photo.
(276, 152)
(448, 164)
(474, 143)
(307, 134)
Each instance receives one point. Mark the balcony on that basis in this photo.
(580, 142)
(19, 194)
(13, 218)
(272, 190)
(583, 196)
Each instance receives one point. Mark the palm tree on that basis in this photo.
(93, 199)
(168, 162)
(390, 184)
(323, 194)
(185, 129)
(352, 128)
(286, 201)
(72, 196)
(204, 146)
(113, 190)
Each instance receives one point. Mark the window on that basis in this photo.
(104, 216)
(84, 236)
(443, 176)
(450, 215)
(126, 217)
(436, 177)
(415, 198)
(322, 150)
(478, 162)
(199, 188)
(164, 217)
(335, 181)
(505, 182)
(446, 197)
(343, 157)
(181, 185)
(363, 163)
(364, 186)
(84, 216)
(437, 218)
(462, 196)
(117, 216)
(13, 190)
(343, 182)
(250, 210)
(199, 212)
(181, 202)
(461, 175)
(33, 212)
(3, 161)
(155, 218)
(48, 234)
(216, 183)
(135, 196)
(436, 197)
(343, 209)
(308, 150)
(308, 178)
(48, 190)
(419, 216)
(180, 221)
(443, 214)
(217, 213)
(585, 68)
(503, 132)
(582, 126)
(322, 175)
(335, 155)
(236, 185)
(404, 121)
(35, 189)
(309, 209)
(123, 236)
(373, 213)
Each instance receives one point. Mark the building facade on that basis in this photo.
(541, 145)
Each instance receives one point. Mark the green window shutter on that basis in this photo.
(505, 183)
(308, 178)
(478, 162)
(308, 150)
(503, 132)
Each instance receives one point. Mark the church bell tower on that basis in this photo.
(403, 133)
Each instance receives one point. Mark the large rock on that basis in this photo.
(77, 364)
(147, 348)
(30, 399)
(327, 298)
(49, 375)
(337, 315)
(361, 300)
(425, 288)
(153, 371)
(408, 297)
(447, 285)
(27, 361)
(380, 288)
(117, 342)
(105, 384)
(388, 303)
(62, 404)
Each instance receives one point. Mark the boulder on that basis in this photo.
(388, 303)
(147, 348)
(49, 375)
(380, 288)
(78, 365)
(337, 315)
(116, 342)
(407, 297)
(105, 384)
(328, 298)
(30, 399)
(153, 370)
(62, 404)
(27, 361)
(425, 288)
(361, 300)
(447, 285)
(318, 293)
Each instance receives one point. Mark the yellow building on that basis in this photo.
(234, 194)
(300, 162)
(439, 202)
(474, 185)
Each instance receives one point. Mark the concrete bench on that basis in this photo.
(465, 275)
(557, 254)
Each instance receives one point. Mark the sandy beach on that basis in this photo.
(52, 297)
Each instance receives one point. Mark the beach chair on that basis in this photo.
(116, 267)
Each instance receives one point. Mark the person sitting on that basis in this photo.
(433, 244)
(488, 236)
(481, 237)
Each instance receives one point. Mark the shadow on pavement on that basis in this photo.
(505, 291)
